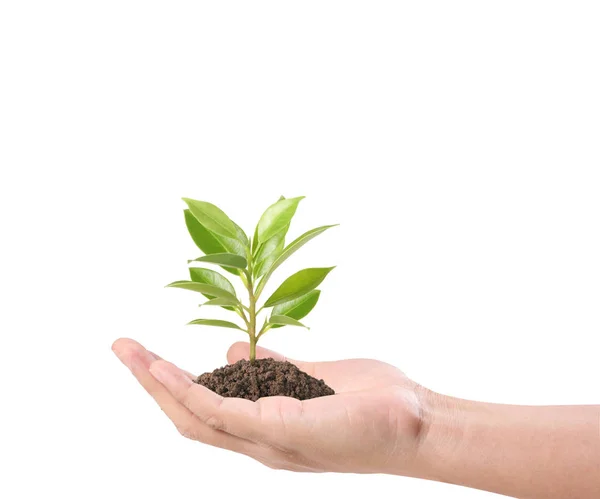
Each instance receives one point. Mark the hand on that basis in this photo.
(371, 425)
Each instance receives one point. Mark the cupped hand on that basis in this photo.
(371, 425)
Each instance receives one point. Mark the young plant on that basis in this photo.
(254, 261)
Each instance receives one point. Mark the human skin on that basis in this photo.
(379, 421)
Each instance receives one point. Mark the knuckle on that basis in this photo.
(214, 422)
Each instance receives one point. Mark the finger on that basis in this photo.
(158, 357)
(341, 375)
(328, 371)
(240, 417)
(138, 360)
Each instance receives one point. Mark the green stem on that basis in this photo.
(252, 317)
(252, 349)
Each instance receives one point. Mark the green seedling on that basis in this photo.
(254, 261)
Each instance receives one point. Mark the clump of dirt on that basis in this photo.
(263, 378)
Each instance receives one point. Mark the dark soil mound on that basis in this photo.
(263, 378)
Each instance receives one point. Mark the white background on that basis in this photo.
(457, 143)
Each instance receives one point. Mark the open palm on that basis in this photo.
(370, 425)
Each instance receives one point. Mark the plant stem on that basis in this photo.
(252, 327)
(252, 318)
(252, 349)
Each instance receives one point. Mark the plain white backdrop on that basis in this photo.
(457, 144)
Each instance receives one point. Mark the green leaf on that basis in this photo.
(213, 218)
(224, 260)
(276, 218)
(257, 248)
(211, 243)
(297, 285)
(268, 253)
(215, 322)
(206, 289)
(298, 308)
(221, 302)
(203, 238)
(241, 235)
(232, 245)
(255, 244)
(288, 251)
(208, 276)
(284, 320)
(297, 243)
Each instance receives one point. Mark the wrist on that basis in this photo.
(443, 425)
(518, 451)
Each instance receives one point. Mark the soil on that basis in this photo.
(263, 378)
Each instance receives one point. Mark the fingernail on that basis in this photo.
(144, 358)
(138, 361)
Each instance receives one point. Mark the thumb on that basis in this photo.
(241, 350)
